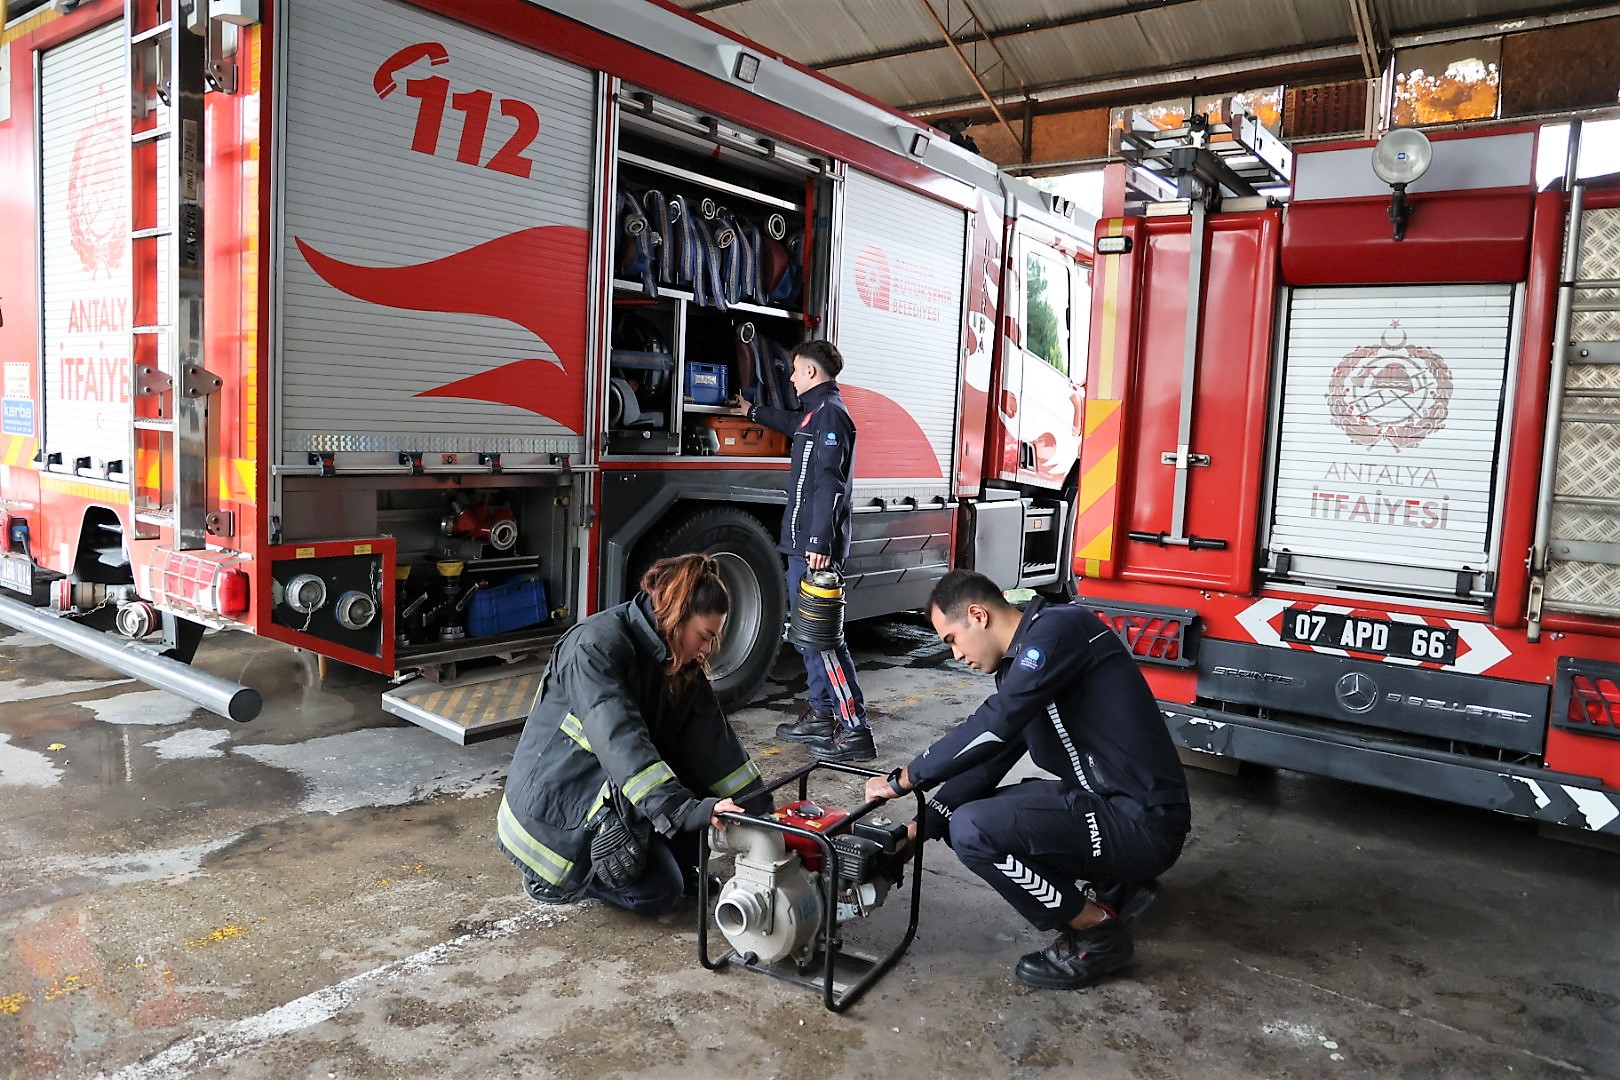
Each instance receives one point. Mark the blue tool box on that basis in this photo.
(516, 605)
(706, 383)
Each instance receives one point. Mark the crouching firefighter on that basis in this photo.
(626, 754)
(1076, 854)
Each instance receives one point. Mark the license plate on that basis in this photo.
(1380, 637)
(17, 573)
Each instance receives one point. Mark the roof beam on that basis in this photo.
(1334, 60)
(1370, 37)
(973, 73)
(992, 36)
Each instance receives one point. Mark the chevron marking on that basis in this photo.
(1599, 809)
(1044, 892)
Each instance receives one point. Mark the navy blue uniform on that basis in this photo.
(817, 520)
(1069, 694)
(823, 452)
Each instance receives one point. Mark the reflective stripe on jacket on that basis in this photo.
(604, 730)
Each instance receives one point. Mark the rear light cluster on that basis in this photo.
(206, 584)
(1595, 702)
(1589, 691)
(1152, 635)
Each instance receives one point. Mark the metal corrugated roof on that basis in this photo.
(896, 51)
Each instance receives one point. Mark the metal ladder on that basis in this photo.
(169, 434)
(1207, 160)
(1575, 559)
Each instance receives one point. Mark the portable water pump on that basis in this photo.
(800, 874)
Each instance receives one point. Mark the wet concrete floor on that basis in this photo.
(317, 894)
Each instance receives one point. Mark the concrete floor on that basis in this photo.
(317, 894)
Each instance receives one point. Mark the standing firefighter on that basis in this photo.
(626, 754)
(815, 535)
(1075, 854)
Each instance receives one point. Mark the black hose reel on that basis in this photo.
(818, 616)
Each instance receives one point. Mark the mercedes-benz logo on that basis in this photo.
(1356, 692)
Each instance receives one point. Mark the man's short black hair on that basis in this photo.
(824, 354)
(959, 588)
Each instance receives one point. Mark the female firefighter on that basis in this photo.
(626, 754)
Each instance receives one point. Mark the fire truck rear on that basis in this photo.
(1347, 487)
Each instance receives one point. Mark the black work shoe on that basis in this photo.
(848, 744)
(813, 725)
(1078, 958)
(1129, 900)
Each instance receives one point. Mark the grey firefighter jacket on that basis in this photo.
(605, 731)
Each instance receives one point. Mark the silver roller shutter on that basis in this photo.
(900, 329)
(351, 370)
(1388, 447)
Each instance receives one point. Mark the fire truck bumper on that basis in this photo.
(1578, 802)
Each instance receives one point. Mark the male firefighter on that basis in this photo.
(815, 535)
(1076, 854)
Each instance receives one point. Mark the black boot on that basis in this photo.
(847, 744)
(813, 725)
(1078, 958)
(1129, 900)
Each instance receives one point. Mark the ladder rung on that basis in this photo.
(149, 329)
(149, 35)
(151, 423)
(150, 234)
(149, 135)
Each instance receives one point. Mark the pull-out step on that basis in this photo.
(477, 706)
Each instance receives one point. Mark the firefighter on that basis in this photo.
(815, 535)
(1076, 854)
(626, 755)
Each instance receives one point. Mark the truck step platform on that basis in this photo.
(476, 706)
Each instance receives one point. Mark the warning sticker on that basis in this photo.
(16, 381)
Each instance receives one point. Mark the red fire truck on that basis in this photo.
(407, 331)
(1347, 481)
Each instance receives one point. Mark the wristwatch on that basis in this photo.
(894, 781)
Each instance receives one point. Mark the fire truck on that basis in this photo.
(407, 332)
(1347, 480)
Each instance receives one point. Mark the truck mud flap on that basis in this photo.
(1579, 802)
(477, 706)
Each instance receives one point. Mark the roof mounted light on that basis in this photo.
(1401, 157)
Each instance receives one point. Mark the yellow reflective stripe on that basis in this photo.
(536, 856)
(730, 785)
(647, 779)
(601, 798)
(575, 730)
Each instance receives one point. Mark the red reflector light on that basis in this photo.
(1149, 637)
(1594, 701)
(233, 592)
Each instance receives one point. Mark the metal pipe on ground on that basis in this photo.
(229, 699)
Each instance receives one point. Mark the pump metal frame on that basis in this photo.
(827, 879)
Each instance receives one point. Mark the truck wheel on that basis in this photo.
(752, 570)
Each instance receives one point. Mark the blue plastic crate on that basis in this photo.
(516, 605)
(706, 383)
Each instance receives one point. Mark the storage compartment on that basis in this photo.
(714, 271)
